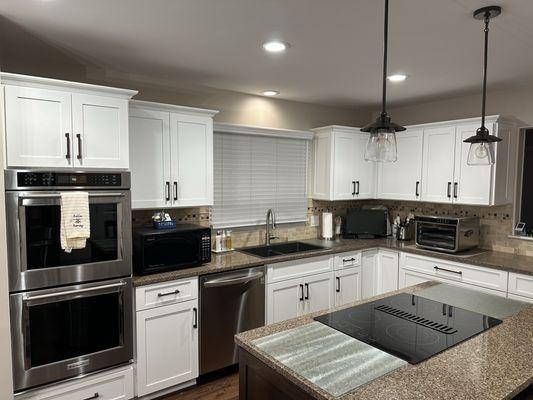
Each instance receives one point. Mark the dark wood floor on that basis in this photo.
(224, 387)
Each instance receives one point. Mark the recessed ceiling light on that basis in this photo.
(275, 46)
(270, 93)
(397, 77)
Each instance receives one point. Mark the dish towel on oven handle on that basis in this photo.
(75, 220)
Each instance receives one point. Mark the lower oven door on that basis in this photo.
(69, 331)
(35, 257)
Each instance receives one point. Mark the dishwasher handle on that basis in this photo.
(233, 281)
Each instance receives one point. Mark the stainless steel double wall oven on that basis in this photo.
(71, 313)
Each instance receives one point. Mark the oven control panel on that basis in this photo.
(68, 179)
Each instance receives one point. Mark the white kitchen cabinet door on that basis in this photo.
(191, 141)
(438, 164)
(38, 126)
(100, 128)
(347, 286)
(410, 278)
(369, 263)
(379, 272)
(401, 180)
(150, 158)
(364, 171)
(387, 271)
(167, 346)
(344, 168)
(285, 300)
(472, 184)
(322, 167)
(318, 292)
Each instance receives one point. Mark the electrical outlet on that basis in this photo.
(314, 220)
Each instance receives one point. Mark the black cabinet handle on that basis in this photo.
(338, 284)
(455, 186)
(301, 292)
(417, 193)
(307, 291)
(175, 190)
(348, 259)
(167, 191)
(78, 136)
(353, 186)
(94, 396)
(195, 312)
(67, 156)
(449, 190)
(168, 293)
(357, 184)
(448, 270)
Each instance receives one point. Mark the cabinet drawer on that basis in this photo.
(165, 293)
(347, 260)
(114, 385)
(294, 269)
(469, 274)
(521, 285)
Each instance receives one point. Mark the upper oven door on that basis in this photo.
(71, 330)
(36, 259)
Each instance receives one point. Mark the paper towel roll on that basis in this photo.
(327, 225)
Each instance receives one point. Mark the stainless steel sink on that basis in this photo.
(280, 249)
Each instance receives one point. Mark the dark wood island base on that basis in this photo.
(258, 381)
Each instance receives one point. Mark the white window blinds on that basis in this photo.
(254, 173)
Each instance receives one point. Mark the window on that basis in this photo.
(254, 173)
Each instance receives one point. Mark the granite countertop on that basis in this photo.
(237, 260)
(497, 364)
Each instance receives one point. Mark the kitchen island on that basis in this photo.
(304, 359)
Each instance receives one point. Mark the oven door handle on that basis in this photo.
(73, 292)
(57, 195)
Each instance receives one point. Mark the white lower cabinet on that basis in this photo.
(521, 285)
(379, 272)
(520, 298)
(116, 384)
(167, 341)
(347, 286)
(318, 292)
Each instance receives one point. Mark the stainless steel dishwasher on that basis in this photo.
(230, 302)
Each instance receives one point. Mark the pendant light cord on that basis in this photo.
(484, 99)
(385, 48)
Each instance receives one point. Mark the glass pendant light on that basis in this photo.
(482, 143)
(381, 145)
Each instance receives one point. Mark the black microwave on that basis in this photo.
(160, 250)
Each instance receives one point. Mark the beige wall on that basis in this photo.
(516, 102)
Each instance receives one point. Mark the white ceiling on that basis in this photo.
(336, 45)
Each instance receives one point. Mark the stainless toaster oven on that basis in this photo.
(447, 234)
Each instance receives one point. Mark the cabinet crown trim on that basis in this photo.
(8, 78)
(338, 128)
(262, 131)
(172, 108)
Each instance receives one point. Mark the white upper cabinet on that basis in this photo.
(340, 171)
(438, 164)
(171, 153)
(51, 123)
(100, 126)
(191, 141)
(401, 180)
(150, 155)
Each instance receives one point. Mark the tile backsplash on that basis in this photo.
(496, 221)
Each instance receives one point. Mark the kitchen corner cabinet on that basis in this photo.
(401, 180)
(167, 335)
(57, 124)
(171, 152)
(379, 272)
(340, 171)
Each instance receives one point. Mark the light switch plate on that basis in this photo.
(314, 220)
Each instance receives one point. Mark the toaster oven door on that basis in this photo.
(436, 236)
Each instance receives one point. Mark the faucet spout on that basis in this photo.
(270, 222)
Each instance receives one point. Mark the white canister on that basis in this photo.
(327, 225)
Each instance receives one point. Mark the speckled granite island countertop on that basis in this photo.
(326, 364)
(238, 260)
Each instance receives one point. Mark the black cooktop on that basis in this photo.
(409, 327)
